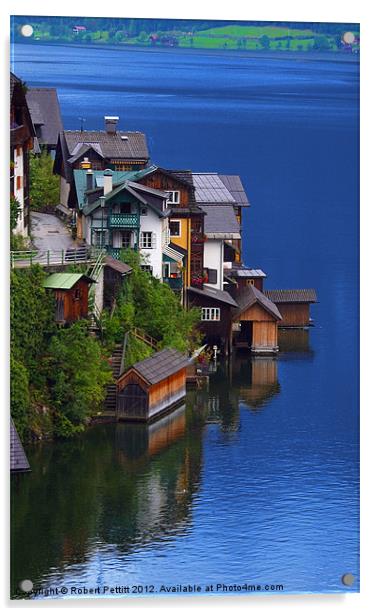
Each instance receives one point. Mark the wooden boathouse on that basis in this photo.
(152, 386)
(71, 295)
(294, 305)
(255, 322)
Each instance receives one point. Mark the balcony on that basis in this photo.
(174, 283)
(123, 221)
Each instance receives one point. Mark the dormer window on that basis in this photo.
(173, 197)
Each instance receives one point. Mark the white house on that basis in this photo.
(221, 228)
(126, 215)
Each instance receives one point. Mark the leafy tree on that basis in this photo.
(156, 309)
(265, 41)
(44, 185)
(77, 373)
(19, 395)
(14, 212)
(321, 43)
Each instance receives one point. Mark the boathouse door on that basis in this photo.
(132, 402)
(244, 337)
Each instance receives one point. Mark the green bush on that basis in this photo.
(19, 396)
(44, 185)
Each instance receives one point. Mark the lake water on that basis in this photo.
(257, 480)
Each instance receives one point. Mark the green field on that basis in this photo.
(254, 31)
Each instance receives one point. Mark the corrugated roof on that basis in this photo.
(210, 189)
(221, 219)
(285, 296)
(249, 296)
(44, 109)
(112, 145)
(234, 185)
(245, 272)
(64, 280)
(215, 294)
(18, 459)
(161, 365)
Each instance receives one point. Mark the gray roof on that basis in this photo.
(118, 266)
(295, 296)
(234, 185)
(161, 365)
(215, 294)
(111, 144)
(249, 296)
(245, 272)
(221, 221)
(18, 459)
(210, 189)
(45, 113)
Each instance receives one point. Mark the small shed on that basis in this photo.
(294, 305)
(71, 294)
(255, 322)
(18, 460)
(152, 386)
(115, 272)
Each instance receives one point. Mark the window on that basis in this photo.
(77, 294)
(19, 182)
(166, 270)
(210, 314)
(250, 282)
(175, 228)
(147, 268)
(211, 276)
(147, 239)
(125, 208)
(143, 211)
(173, 197)
(126, 238)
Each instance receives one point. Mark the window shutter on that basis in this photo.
(153, 240)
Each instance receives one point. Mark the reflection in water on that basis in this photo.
(295, 341)
(122, 485)
(256, 378)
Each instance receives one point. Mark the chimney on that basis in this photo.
(111, 124)
(89, 180)
(108, 186)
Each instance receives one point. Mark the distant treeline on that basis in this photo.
(134, 27)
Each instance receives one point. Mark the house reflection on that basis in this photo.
(256, 379)
(134, 440)
(295, 341)
(125, 486)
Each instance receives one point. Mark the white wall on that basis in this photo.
(19, 192)
(153, 223)
(213, 258)
(64, 191)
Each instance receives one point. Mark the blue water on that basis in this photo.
(261, 485)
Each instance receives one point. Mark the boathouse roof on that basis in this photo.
(215, 294)
(249, 296)
(293, 296)
(18, 459)
(221, 222)
(161, 365)
(64, 280)
(45, 113)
